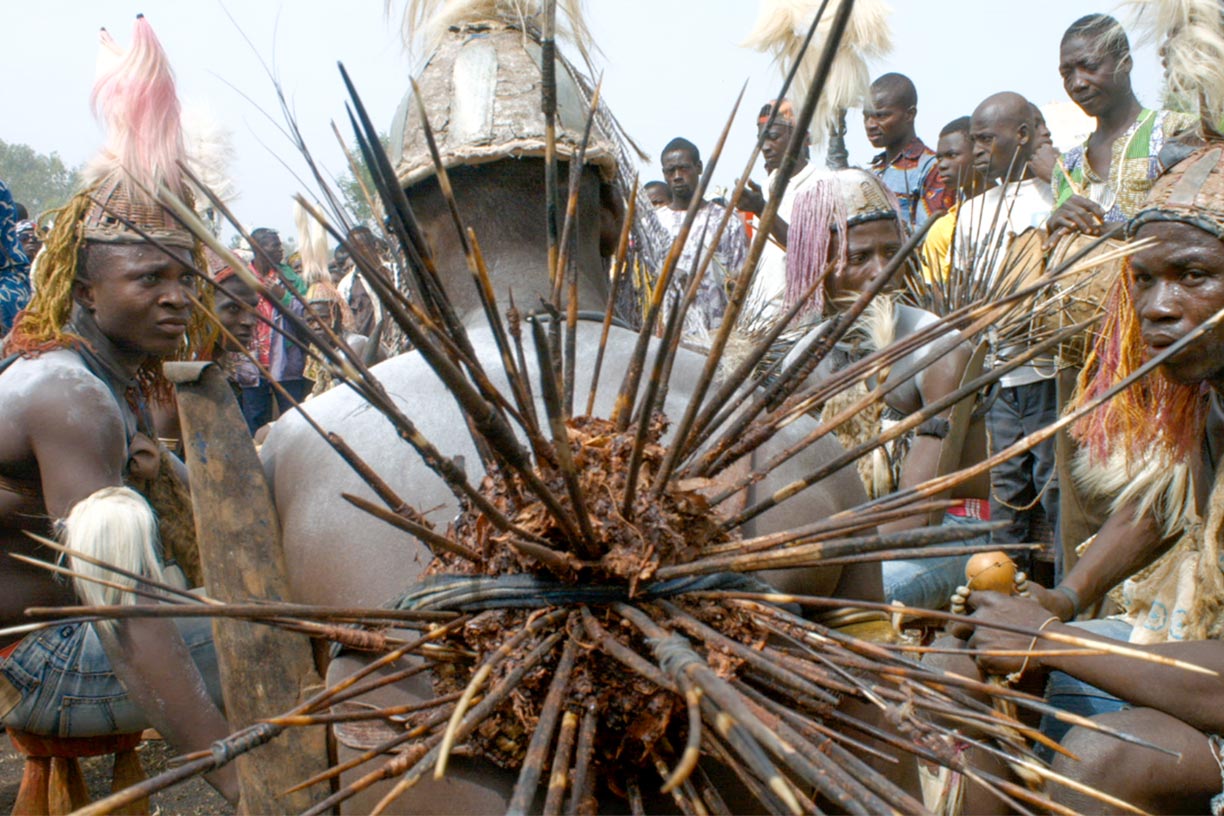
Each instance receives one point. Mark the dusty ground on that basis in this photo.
(194, 797)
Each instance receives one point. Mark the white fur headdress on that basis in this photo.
(1190, 36)
(780, 29)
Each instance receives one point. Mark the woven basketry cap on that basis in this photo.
(864, 195)
(116, 200)
(481, 90)
(1191, 192)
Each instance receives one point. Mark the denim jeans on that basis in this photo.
(68, 689)
(257, 405)
(1065, 692)
(928, 582)
(298, 389)
(1016, 483)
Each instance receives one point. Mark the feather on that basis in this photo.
(135, 100)
(210, 153)
(210, 150)
(1190, 35)
(117, 526)
(780, 30)
(312, 245)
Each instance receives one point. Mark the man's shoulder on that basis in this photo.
(918, 152)
(51, 381)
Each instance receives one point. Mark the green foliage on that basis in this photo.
(40, 182)
(350, 189)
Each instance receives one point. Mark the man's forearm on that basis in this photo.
(1124, 546)
(1187, 695)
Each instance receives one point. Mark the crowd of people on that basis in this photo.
(89, 310)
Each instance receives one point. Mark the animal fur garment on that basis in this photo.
(114, 525)
(780, 30)
(1155, 483)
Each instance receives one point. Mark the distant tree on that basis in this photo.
(355, 200)
(40, 182)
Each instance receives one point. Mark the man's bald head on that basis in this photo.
(1001, 129)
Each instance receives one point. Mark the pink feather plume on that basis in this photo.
(134, 98)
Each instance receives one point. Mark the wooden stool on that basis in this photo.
(52, 782)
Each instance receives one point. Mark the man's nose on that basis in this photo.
(178, 295)
(1160, 303)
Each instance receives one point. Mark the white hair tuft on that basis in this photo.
(118, 527)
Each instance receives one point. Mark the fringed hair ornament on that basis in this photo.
(831, 205)
(1156, 416)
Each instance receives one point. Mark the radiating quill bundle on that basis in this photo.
(601, 626)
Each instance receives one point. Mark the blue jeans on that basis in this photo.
(1077, 697)
(68, 689)
(1017, 483)
(257, 405)
(298, 389)
(929, 582)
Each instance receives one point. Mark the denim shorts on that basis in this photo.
(67, 687)
(1077, 697)
(929, 582)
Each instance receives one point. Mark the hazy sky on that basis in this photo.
(670, 68)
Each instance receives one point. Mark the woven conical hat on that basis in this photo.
(481, 89)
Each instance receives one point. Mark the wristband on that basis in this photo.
(1072, 596)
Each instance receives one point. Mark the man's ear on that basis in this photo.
(1023, 134)
(911, 113)
(83, 293)
(611, 218)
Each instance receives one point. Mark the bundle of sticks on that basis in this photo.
(592, 619)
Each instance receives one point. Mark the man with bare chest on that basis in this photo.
(80, 369)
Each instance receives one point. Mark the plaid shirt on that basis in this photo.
(914, 179)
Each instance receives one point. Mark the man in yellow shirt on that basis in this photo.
(954, 165)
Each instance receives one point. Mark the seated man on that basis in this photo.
(872, 236)
(84, 361)
(1154, 448)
